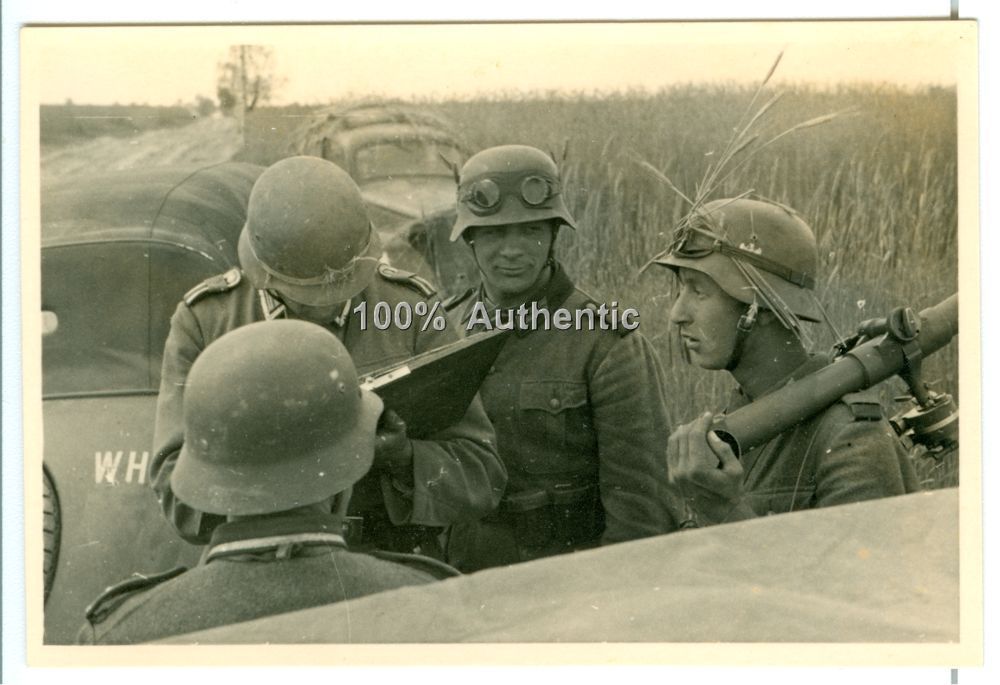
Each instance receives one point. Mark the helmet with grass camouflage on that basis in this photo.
(509, 184)
(755, 250)
(308, 234)
(274, 419)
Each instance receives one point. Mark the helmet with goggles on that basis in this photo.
(756, 251)
(308, 235)
(509, 184)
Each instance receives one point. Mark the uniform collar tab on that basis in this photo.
(275, 526)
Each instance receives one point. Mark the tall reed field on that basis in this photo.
(878, 185)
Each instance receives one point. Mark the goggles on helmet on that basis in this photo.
(695, 242)
(484, 195)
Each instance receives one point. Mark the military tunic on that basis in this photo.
(582, 428)
(847, 453)
(252, 569)
(456, 472)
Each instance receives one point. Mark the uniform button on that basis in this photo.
(493, 369)
(554, 403)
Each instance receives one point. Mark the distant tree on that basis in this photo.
(204, 106)
(227, 101)
(246, 79)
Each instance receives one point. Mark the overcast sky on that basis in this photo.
(164, 65)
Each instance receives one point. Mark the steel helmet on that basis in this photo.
(767, 237)
(274, 419)
(308, 234)
(509, 184)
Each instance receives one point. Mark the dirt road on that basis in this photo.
(206, 141)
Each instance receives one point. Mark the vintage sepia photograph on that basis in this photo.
(565, 342)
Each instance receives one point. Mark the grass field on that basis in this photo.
(879, 188)
(70, 123)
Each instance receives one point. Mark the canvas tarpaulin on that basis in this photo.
(880, 571)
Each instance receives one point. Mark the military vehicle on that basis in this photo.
(119, 250)
(424, 247)
(402, 158)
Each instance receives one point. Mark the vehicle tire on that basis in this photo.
(51, 529)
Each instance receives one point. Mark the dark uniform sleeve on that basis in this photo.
(858, 459)
(184, 344)
(457, 473)
(629, 410)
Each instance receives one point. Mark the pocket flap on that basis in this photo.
(553, 396)
(781, 500)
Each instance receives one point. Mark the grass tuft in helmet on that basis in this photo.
(755, 250)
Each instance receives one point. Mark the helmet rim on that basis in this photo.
(720, 269)
(316, 295)
(220, 489)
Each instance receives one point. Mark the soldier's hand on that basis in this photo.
(706, 471)
(393, 450)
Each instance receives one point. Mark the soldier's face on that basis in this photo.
(706, 318)
(511, 257)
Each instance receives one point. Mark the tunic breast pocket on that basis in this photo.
(781, 500)
(556, 431)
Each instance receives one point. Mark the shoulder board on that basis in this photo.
(114, 596)
(215, 284)
(433, 567)
(591, 304)
(407, 278)
(457, 299)
(864, 406)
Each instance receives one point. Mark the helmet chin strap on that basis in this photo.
(743, 328)
(551, 259)
(475, 255)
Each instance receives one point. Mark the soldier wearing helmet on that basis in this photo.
(308, 251)
(579, 414)
(747, 271)
(274, 443)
